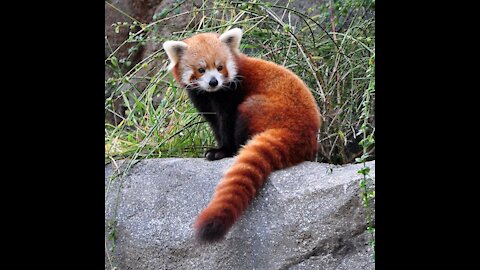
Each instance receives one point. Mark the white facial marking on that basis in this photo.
(186, 75)
(204, 81)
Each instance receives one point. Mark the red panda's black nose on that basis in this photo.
(213, 82)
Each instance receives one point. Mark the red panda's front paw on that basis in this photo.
(216, 154)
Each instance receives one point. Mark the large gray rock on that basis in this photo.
(306, 217)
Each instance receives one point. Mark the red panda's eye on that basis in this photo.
(201, 70)
(219, 68)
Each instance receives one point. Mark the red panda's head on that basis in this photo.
(205, 61)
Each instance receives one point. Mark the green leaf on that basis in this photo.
(359, 160)
(114, 61)
(364, 170)
(342, 136)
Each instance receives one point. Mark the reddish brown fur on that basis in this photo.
(283, 120)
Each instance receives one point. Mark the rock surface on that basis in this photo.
(306, 217)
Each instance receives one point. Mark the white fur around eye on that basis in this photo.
(186, 75)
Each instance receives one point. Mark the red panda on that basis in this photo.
(257, 108)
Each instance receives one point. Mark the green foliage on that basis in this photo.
(368, 193)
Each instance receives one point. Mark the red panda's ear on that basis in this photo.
(174, 50)
(232, 38)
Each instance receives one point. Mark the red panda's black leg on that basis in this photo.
(233, 134)
(206, 106)
(225, 138)
(216, 154)
(220, 110)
